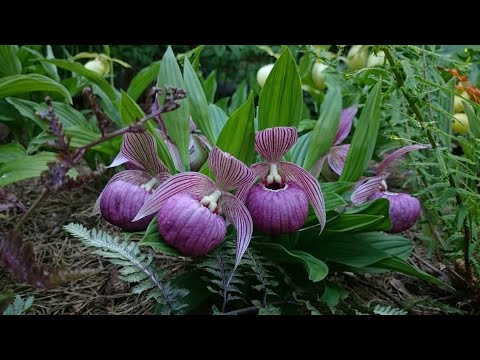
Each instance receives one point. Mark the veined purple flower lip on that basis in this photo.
(279, 204)
(127, 191)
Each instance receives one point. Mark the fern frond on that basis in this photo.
(257, 266)
(388, 310)
(219, 265)
(19, 306)
(136, 266)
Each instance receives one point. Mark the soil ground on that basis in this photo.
(104, 293)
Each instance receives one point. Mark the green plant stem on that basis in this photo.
(416, 111)
(30, 209)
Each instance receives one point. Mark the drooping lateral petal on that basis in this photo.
(367, 189)
(230, 173)
(238, 215)
(119, 160)
(259, 170)
(136, 177)
(141, 150)
(318, 166)
(387, 160)
(273, 143)
(311, 186)
(346, 120)
(337, 157)
(191, 182)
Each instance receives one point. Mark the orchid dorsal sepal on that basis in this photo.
(367, 187)
(272, 144)
(346, 120)
(141, 150)
(230, 173)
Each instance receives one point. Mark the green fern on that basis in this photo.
(257, 266)
(19, 306)
(220, 266)
(135, 267)
(388, 310)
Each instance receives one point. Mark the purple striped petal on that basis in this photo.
(190, 182)
(119, 160)
(387, 160)
(311, 186)
(237, 214)
(367, 189)
(141, 150)
(259, 170)
(136, 177)
(230, 173)
(346, 121)
(318, 166)
(337, 157)
(273, 143)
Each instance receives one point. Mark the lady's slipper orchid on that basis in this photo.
(338, 153)
(279, 203)
(128, 190)
(189, 206)
(404, 209)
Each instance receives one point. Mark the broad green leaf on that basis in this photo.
(8, 113)
(68, 116)
(50, 69)
(197, 102)
(10, 152)
(338, 187)
(299, 150)
(333, 294)
(378, 207)
(394, 263)
(348, 249)
(177, 122)
(316, 269)
(391, 244)
(364, 137)
(354, 223)
(332, 201)
(143, 79)
(219, 119)
(78, 68)
(9, 62)
(238, 135)
(111, 108)
(25, 167)
(210, 86)
(222, 103)
(281, 99)
(81, 136)
(239, 97)
(21, 84)
(326, 128)
(131, 112)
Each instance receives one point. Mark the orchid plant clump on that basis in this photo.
(404, 208)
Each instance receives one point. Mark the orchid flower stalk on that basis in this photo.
(128, 190)
(190, 205)
(404, 209)
(279, 203)
(338, 153)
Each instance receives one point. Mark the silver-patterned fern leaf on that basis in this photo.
(19, 306)
(388, 310)
(135, 266)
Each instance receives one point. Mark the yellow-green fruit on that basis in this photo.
(458, 104)
(376, 60)
(98, 65)
(318, 75)
(460, 124)
(263, 73)
(357, 57)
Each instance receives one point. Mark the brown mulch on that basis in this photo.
(104, 293)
